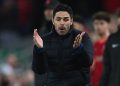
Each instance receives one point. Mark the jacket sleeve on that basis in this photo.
(38, 62)
(107, 67)
(85, 51)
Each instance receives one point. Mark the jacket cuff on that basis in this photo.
(78, 49)
(39, 50)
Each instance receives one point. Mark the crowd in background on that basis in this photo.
(18, 19)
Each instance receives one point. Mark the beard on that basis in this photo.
(62, 30)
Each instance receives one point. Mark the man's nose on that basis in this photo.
(62, 22)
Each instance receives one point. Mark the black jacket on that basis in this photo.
(111, 73)
(63, 64)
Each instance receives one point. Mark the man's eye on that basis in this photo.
(101, 23)
(66, 19)
(58, 19)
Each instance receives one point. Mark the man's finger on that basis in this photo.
(77, 37)
(35, 32)
(75, 42)
(82, 34)
(80, 37)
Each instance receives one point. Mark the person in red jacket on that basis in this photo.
(101, 24)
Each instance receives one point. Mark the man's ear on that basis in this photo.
(52, 21)
(71, 21)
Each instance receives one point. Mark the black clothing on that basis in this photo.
(111, 73)
(60, 63)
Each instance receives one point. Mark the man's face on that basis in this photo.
(62, 22)
(101, 26)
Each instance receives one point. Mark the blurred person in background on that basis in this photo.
(111, 72)
(79, 23)
(10, 69)
(29, 78)
(25, 78)
(101, 24)
(48, 13)
(113, 27)
(8, 15)
(65, 52)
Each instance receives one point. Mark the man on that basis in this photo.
(101, 24)
(59, 56)
(111, 74)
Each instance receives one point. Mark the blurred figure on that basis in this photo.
(101, 24)
(10, 69)
(8, 15)
(79, 23)
(48, 13)
(111, 74)
(113, 27)
(29, 78)
(25, 78)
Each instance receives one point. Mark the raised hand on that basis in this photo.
(78, 40)
(37, 39)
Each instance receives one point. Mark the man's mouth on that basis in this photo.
(62, 28)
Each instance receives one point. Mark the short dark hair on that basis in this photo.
(102, 16)
(63, 7)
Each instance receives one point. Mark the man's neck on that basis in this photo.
(104, 36)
